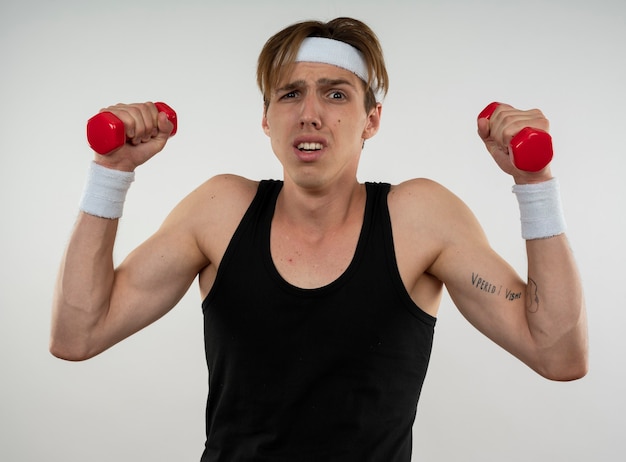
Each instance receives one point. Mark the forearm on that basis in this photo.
(83, 286)
(555, 308)
(87, 315)
(554, 298)
(549, 330)
(85, 280)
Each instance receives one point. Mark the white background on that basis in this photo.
(144, 399)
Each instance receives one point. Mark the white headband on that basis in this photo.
(335, 52)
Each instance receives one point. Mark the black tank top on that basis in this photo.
(326, 374)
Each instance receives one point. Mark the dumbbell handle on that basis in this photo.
(531, 148)
(106, 132)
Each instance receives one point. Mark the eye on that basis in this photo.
(289, 94)
(337, 95)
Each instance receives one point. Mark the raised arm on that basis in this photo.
(542, 321)
(96, 305)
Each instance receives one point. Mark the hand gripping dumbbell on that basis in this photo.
(531, 148)
(106, 132)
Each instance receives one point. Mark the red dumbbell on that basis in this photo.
(106, 133)
(531, 148)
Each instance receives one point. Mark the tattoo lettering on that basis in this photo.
(510, 295)
(532, 296)
(486, 286)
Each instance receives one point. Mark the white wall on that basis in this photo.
(144, 399)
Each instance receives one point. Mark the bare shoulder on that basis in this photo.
(225, 192)
(427, 218)
(425, 203)
(416, 189)
(211, 213)
(217, 199)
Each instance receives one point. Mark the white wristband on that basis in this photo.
(105, 191)
(541, 213)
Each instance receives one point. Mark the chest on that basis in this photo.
(310, 262)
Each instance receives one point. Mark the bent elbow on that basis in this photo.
(566, 371)
(567, 358)
(569, 376)
(68, 352)
(65, 354)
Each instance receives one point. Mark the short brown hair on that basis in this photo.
(280, 51)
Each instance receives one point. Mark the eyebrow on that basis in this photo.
(323, 82)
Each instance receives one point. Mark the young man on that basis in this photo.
(320, 293)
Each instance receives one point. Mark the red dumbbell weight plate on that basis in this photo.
(106, 132)
(531, 148)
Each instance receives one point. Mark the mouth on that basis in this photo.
(309, 147)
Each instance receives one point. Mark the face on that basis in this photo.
(317, 124)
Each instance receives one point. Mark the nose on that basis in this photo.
(310, 114)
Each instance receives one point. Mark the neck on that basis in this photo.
(320, 211)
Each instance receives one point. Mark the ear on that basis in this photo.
(373, 122)
(264, 123)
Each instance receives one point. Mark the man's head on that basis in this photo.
(286, 47)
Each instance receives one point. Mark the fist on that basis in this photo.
(133, 132)
(517, 140)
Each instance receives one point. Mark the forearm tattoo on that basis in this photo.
(532, 297)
